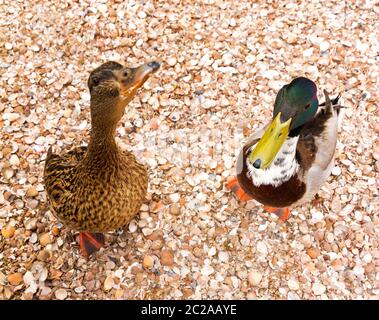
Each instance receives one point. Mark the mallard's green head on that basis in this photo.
(297, 101)
(295, 104)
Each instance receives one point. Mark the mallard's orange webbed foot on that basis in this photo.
(234, 186)
(90, 242)
(282, 213)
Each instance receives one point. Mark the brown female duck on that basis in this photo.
(100, 188)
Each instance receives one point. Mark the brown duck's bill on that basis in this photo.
(142, 73)
(270, 143)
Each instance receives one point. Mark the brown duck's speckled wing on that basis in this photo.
(92, 197)
(59, 175)
(71, 157)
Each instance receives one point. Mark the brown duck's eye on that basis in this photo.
(95, 81)
(126, 73)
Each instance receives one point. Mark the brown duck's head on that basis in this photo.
(112, 86)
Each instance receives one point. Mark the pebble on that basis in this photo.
(175, 116)
(175, 197)
(148, 262)
(171, 61)
(110, 265)
(3, 279)
(32, 192)
(308, 52)
(313, 252)
(292, 296)
(167, 258)
(15, 278)
(33, 238)
(103, 8)
(60, 294)
(142, 14)
(108, 283)
(293, 284)
(212, 251)
(28, 278)
(31, 224)
(8, 173)
(11, 116)
(207, 270)
(347, 210)
(175, 209)
(243, 85)
(133, 226)
(43, 255)
(262, 248)
(324, 46)
(45, 293)
(250, 59)
(255, 277)
(119, 293)
(336, 171)
(32, 203)
(80, 289)
(14, 160)
(336, 205)
(223, 256)
(317, 216)
(45, 239)
(306, 240)
(8, 231)
(270, 74)
(367, 258)
(19, 204)
(55, 230)
(318, 289)
(359, 271)
(35, 48)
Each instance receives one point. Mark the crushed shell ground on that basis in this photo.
(222, 65)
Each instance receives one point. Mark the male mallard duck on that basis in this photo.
(100, 188)
(285, 163)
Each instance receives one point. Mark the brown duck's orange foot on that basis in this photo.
(234, 186)
(282, 213)
(90, 242)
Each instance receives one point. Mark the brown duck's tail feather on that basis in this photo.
(90, 242)
(50, 151)
(50, 155)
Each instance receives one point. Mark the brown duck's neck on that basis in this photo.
(102, 147)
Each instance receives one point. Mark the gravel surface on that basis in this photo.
(222, 65)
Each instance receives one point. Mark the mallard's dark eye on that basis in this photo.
(307, 106)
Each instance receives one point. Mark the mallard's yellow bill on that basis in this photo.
(271, 142)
